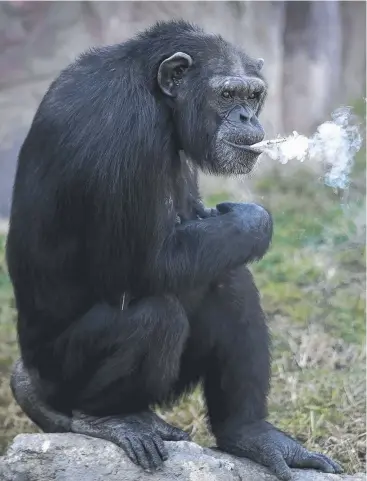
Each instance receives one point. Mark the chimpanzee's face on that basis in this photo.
(216, 106)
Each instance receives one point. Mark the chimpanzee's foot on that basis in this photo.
(140, 435)
(266, 445)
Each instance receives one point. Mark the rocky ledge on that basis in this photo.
(72, 457)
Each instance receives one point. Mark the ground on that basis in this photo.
(313, 289)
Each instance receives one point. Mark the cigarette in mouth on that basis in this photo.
(265, 144)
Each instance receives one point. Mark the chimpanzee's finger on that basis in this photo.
(276, 463)
(312, 460)
(142, 458)
(127, 447)
(153, 455)
(161, 448)
(336, 466)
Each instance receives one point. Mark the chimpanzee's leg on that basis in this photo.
(241, 353)
(136, 355)
(237, 378)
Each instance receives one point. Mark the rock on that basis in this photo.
(72, 457)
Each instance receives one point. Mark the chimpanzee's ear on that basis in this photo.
(260, 63)
(171, 72)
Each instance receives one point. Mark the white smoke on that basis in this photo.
(334, 144)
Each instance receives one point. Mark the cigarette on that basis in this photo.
(261, 146)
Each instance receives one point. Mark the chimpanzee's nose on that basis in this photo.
(240, 115)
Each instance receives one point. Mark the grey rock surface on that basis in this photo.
(72, 457)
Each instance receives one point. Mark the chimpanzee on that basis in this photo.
(128, 290)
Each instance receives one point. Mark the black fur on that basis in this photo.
(100, 183)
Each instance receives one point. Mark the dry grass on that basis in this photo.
(313, 289)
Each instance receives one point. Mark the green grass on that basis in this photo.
(312, 283)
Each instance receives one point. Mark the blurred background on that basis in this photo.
(312, 281)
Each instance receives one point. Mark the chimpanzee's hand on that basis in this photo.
(255, 222)
(204, 212)
(266, 445)
(196, 208)
(139, 435)
(200, 210)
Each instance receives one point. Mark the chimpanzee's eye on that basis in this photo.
(254, 95)
(227, 94)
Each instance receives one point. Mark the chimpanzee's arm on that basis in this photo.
(198, 251)
(26, 392)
